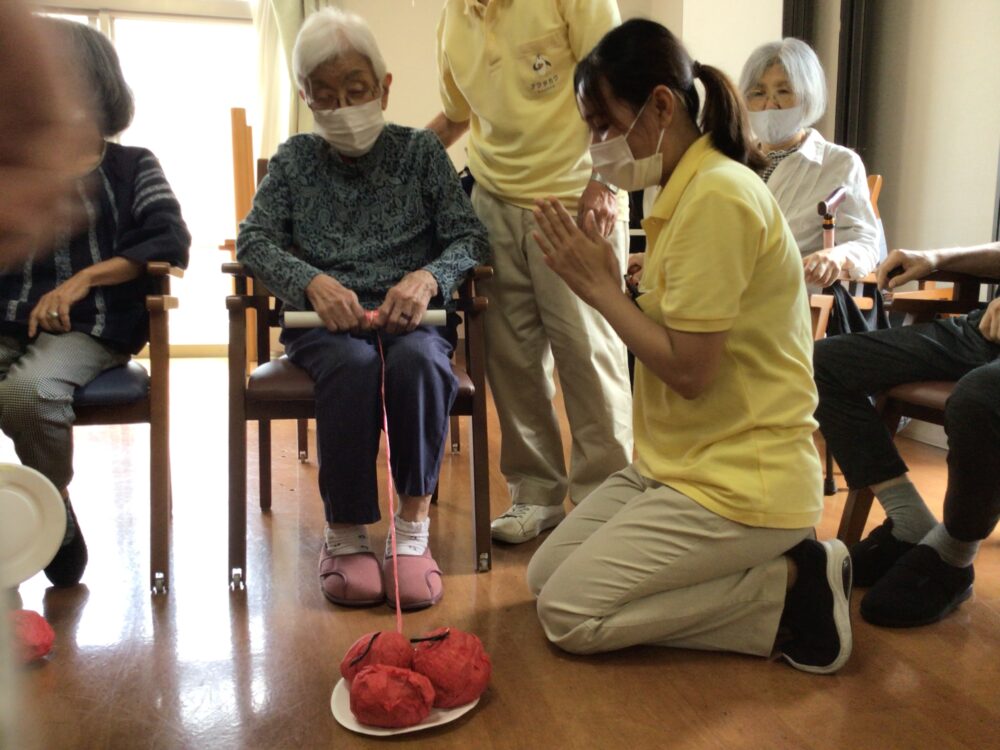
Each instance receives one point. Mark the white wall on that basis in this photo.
(406, 35)
(723, 33)
(716, 32)
(935, 119)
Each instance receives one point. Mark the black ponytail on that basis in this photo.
(640, 55)
(725, 118)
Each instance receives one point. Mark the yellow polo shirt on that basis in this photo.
(508, 68)
(720, 257)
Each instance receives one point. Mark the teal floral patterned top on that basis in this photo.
(367, 223)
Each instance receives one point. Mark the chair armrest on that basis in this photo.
(162, 268)
(235, 268)
(468, 300)
(925, 304)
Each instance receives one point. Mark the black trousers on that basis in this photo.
(852, 368)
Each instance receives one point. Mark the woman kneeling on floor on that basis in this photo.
(706, 541)
(379, 222)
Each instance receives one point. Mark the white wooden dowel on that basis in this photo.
(297, 319)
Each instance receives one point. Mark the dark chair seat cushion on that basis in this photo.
(281, 380)
(126, 384)
(930, 394)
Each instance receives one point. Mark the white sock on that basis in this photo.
(953, 551)
(911, 519)
(348, 541)
(411, 537)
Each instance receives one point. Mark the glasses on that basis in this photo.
(352, 96)
(758, 99)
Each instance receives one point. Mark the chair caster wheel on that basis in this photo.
(159, 584)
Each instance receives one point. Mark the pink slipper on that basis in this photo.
(420, 582)
(352, 580)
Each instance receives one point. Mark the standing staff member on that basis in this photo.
(506, 74)
(706, 541)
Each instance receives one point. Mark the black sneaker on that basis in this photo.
(817, 612)
(919, 589)
(66, 568)
(872, 557)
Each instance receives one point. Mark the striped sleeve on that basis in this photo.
(151, 187)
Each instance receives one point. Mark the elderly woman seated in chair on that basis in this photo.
(365, 223)
(785, 91)
(72, 311)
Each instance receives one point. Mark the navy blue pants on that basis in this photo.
(851, 368)
(420, 389)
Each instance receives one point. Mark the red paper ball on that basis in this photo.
(456, 664)
(391, 697)
(33, 636)
(384, 647)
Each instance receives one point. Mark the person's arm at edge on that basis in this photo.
(448, 131)
(982, 260)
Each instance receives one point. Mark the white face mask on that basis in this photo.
(352, 131)
(614, 161)
(774, 126)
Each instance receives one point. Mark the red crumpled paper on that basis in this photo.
(382, 647)
(391, 697)
(32, 634)
(456, 664)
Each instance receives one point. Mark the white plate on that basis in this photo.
(340, 704)
(32, 523)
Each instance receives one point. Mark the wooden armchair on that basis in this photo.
(919, 400)
(131, 395)
(278, 389)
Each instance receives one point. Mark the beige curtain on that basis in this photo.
(282, 113)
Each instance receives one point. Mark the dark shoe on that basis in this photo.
(875, 554)
(919, 589)
(817, 608)
(66, 568)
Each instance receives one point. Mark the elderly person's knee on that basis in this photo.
(416, 359)
(28, 400)
(975, 399)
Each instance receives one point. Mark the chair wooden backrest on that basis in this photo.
(874, 190)
(278, 389)
(244, 182)
(131, 395)
(919, 400)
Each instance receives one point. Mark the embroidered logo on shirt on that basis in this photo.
(547, 78)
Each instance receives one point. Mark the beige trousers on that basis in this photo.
(639, 563)
(534, 322)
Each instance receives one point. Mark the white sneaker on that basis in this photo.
(522, 522)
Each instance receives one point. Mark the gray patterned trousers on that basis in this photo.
(37, 380)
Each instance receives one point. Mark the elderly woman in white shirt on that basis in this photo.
(785, 91)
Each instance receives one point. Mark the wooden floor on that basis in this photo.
(205, 668)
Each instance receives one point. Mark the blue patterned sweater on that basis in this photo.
(132, 214)
(397, 209)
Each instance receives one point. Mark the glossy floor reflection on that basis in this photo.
(207, 668)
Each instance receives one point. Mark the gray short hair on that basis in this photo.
(101, 72)
(804, 71)
(329, 33)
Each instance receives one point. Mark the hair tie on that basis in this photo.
(696, 69)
